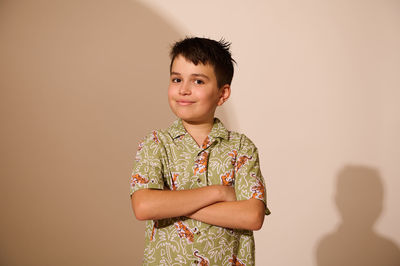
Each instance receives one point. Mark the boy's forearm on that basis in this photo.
(152, 204)
(245, 214)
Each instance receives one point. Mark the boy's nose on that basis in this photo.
(184, 89)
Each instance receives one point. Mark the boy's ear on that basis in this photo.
(225, 92)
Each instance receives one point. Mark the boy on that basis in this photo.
(198, 185)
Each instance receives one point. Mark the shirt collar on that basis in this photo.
(218, 130)
(176, 129)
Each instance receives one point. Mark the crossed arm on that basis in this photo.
(216, 205)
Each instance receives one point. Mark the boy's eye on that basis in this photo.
(176, 80)
(198, 82)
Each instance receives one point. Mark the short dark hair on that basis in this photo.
(207, 51)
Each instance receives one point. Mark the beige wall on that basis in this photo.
(316, 88)
(81, 82)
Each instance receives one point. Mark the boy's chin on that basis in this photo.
(194, 120)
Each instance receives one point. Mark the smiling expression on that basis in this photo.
(193, 93)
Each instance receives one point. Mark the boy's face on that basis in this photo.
(193, 93)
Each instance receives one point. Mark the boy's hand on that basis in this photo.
(228, 193)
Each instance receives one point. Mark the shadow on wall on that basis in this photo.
(81, 83)
(359, 198)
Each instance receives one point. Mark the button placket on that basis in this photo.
(201, 167)
(201, 164)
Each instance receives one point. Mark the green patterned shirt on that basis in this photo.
(171, 159)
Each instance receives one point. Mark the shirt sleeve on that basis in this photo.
(147, 169)
(249, 182)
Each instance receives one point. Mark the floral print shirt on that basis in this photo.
(171, 159)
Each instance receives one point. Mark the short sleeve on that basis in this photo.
(249, 182)
(147, 169)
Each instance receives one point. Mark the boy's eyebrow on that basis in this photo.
(174, 73)
(194, 75)
(200, 75)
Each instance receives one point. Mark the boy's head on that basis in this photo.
(206, 51)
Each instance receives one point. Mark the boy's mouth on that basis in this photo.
(182, 102)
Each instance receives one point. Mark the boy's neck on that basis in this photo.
(199, 131)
